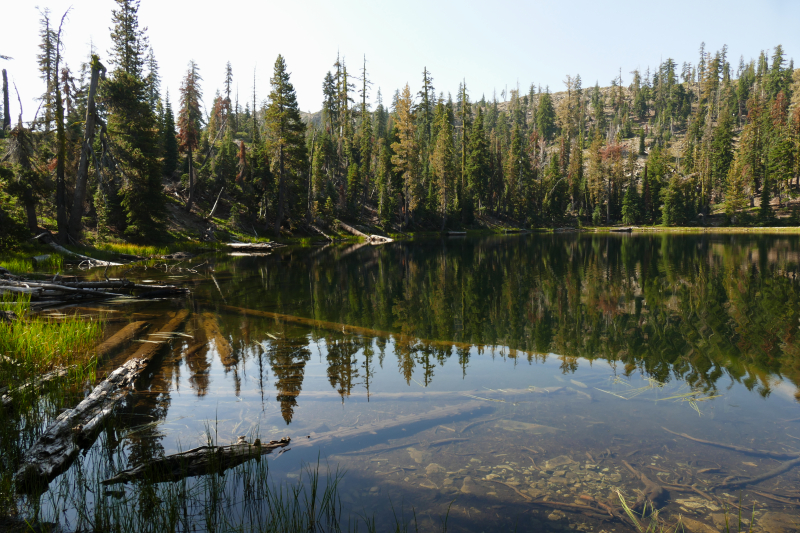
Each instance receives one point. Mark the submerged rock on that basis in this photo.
(433, 468)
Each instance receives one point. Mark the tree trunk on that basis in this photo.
(6, 110)
(30, 210)
(191, 183)
(61, 185)
(79, 197)
(281, 188)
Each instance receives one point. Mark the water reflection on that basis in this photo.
(695, 308)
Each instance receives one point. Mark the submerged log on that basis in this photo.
(36, 384)
(197, 462)
(76, 428)
(749, 451)
(118, 339)
(653, 492)
(400, 338)
(436, 413)
(778, 470)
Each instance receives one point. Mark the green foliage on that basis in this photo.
(677, 202)
(546, 116)
(631, 205)
(133, 127)
(12, 219)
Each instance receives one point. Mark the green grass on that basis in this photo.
(21, 261)
(36, 344)
(650, 522)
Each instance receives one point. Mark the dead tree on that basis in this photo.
(79, 196)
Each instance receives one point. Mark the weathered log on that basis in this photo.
(57, 287)
(653, 492)
(197, 462)
(378, 239)
(400, 338)
(749, 451)
(96, 262)
(315, 439)
(780, 469)
(8, 316)
(34, 384)
(76, 428)
(118, 339)
(352, 230)
(253, 246)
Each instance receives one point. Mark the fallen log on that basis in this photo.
(118, 339)
(76, 428)
(197, 462)
(56, 287)
(400, 338)
(780, 469)
(653, 492)
(36, 384)
(92, 261)
(315, 439)
(252, 246)
(378, 239)
(350, 229)
(749, 451)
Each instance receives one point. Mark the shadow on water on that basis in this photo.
(499, 382)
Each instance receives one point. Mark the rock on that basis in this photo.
(615, 478)
(428, 484)
(469, 486)
(555, 515)
(774, 522)
(417, 455)
(433, 468)
(696, 526)
(555, 462)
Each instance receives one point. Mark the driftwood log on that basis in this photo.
(653, 492)
(315, 439)
(76, 428)
(54, 293)
(197, 462)
(119, 338)
(742, 449)
(35, 384)
(253, 246)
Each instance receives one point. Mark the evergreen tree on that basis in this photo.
(443, 161)
(190, 122)
(546, 116)
(170, 139)
(405, 154)
(478, 168)
(285, 137)
(128, 41)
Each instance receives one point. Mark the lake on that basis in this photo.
(529, 381)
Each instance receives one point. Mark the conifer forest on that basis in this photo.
(711, 138)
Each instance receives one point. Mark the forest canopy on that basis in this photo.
(110, 153)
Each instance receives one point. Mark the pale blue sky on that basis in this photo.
(491, 45)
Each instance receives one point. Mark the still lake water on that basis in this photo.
(553, 361)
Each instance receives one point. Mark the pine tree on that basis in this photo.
(285, 137)
(170, 139)
(405, 153)
(129, 42)
(190, 122)
(443, 161)
(546, 116)
(478, 169)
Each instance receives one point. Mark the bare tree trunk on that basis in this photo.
(6, 110)
(61, 185)
(79, 197)
(191, 183)
(281, 188)
(30, 210)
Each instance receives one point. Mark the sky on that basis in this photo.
(492, 46)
